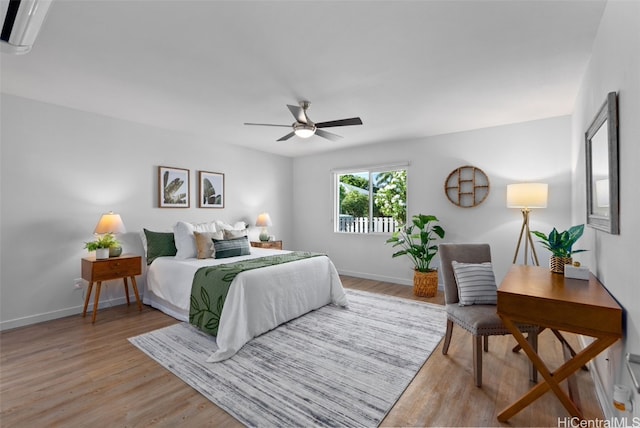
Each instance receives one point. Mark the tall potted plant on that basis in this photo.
(561, 246)
(416, 242)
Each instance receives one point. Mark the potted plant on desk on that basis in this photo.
(561, 246)
(416, 242)
(102, 245)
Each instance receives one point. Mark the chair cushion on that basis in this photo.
(481, 320)
(476, 283)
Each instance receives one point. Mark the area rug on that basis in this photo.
(330, 367)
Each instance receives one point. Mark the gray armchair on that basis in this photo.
(481, 321)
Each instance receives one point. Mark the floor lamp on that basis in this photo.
(526, 196)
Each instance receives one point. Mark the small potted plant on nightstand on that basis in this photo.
(102, 245)
(561, 246)
(416, 242)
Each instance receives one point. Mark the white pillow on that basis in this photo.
(239, 225)
(234, 233)
(185, 241)
(476, 283)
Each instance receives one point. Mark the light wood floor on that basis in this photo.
(70, 373)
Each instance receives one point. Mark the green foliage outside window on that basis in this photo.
(392, 194)
(355, 204)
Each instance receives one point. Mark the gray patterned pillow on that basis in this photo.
(231, 247)
(476, 283)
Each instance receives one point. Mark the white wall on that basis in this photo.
(532, 151)
(62, 168)
(614, 66)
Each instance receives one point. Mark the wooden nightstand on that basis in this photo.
(112, 268)
(276, 245)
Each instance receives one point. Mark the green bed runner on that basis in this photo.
(211, 285)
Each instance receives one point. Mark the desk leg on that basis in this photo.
(135, 290)
(86, 299)
(552, 380)
(126, 289)
(97, 300)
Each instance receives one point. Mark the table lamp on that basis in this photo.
(264, 221)
(526, 196)
(110, 224)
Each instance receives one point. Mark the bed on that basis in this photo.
(258, 300)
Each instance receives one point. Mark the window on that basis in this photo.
(370, 200)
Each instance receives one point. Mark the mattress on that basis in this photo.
(258, 300)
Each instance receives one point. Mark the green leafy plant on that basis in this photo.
(561, 243)
(105, 241)
(416, 241)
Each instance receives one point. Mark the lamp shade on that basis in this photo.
(527, 195)
(110, 223)
(263, 220)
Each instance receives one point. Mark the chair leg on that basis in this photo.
(485, 340)
(447, 337)
(532, 338)
(477, 360)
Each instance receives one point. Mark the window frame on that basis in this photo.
(369, 170)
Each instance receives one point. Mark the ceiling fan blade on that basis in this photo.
(341, 122)
(298, 113)
(286, 137)
(328, 135)
(266, 124)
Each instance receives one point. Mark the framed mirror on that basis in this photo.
(602, 168)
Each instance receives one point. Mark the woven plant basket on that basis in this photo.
(556, 264)
(425, 284)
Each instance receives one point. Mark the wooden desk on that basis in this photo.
(534, 295)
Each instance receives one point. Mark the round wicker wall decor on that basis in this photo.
(467, 186)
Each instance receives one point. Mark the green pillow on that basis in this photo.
(159, 244)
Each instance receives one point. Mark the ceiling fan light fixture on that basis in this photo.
(304, 130)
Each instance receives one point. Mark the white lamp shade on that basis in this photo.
(110, 223)
(264, 220)
(527, 195)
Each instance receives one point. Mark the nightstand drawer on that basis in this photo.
(103, 270)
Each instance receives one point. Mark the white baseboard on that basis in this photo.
(403, 281)
(392, 279)
(603, 398)
(61, 313)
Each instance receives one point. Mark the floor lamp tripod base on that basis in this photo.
(528, 241)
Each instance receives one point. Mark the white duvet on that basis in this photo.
(258, 300)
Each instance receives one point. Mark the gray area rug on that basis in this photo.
(330, 367)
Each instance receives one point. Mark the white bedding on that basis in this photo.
(258, 300)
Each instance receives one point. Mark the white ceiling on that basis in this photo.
(409, 69)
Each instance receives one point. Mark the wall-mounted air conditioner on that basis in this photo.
(21, 21)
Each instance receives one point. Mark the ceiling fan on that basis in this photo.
(303, 127)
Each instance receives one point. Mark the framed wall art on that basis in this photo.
(211, 189)
(173, 187)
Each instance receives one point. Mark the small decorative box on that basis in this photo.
(576, 272)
